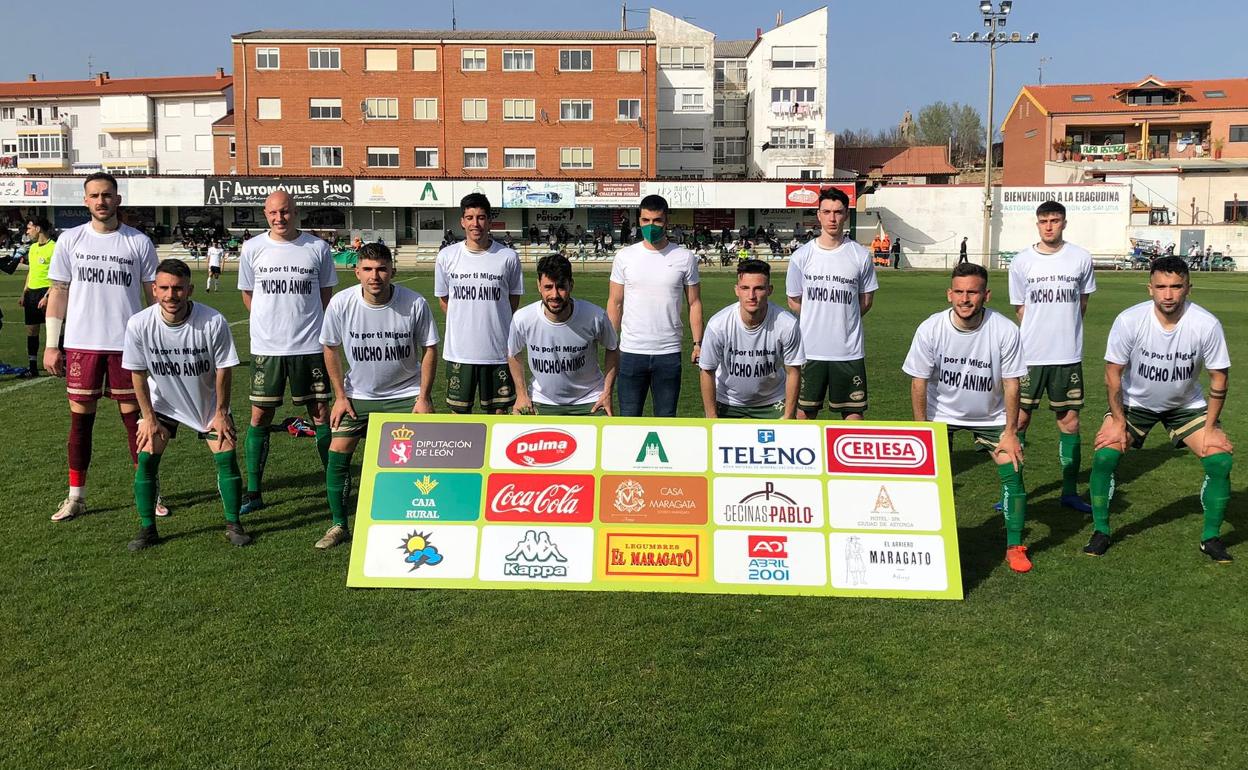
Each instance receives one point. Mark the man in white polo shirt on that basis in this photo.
(648, 281)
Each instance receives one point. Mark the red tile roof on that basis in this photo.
(1059, 99)
(163, 85)
(921, 160)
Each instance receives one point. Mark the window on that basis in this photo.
(1081, 98)
(730, 73)
(519, 157)
(424, 109)
(383, 157)
(426, 157)
(690, 100)
(628, 109)
(323, 157)
(628, 60)
(517, 60)
(1152, 97)
(686, 57)
(1216, 94)
(324, 58)
(729, 113)
(102, 141)
(476, 157)
(475, 109)
(381, 108)
(793, 57)
(576, 109)
(472, 59)
(729, 151)
(173, 143)
(325, 109)
(381, 59)
(233, 148)
(1235, 211)
(681, 140)
(792, 95)
(576, 157)
(1239, 134)
(630, 157)
(267, 59)
(518, 109)
(203, 109)
(792, 138)
(269, 109)
(203, 143)
(8, 113)
(270, 155)
(576, 60)
(173, 110)
(41, 147)
(424, 60)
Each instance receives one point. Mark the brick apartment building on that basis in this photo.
(424, 103)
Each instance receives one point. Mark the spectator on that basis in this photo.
(962, 252)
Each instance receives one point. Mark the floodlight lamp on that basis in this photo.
(985, 6)
(1002, 37)
(1015, 37)
(1006, 5)
(988, 23)
(1034, 36)
(974, 37)
(953, 38)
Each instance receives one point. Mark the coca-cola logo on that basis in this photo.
(544, 498)
(541, 448)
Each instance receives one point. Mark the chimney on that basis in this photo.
(758, 32)
(220, 73)
(99, 79)
(32, 77)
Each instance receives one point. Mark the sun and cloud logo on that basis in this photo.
(420, 551)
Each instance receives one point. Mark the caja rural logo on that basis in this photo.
(541, 448)
(881, 451)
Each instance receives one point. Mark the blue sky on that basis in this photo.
(893, 55)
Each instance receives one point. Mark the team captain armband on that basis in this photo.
(1218, 393)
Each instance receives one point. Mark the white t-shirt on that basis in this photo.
(478, 288)
(181, 361)
(383, 345)
(1050, 288)
(830, 284)
(215, 253)
(1163, 367)
(285, 279)
(964, 369)
(563, 357)
(654, 287)
(749, 364)
(106, 273)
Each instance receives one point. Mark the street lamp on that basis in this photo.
(994, 22)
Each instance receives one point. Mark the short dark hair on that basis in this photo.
(964, 269)
(41, 222)
(754, 267)
(475, 201)
(378, 252)
(834, 194)
(556, 267)
(1175, 265)
(654, 203)
(174, 267)
(1051, 207)
(98, 177)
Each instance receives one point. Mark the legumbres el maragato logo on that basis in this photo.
(869, 451)
(541, 448)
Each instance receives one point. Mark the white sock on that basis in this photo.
(78, 492)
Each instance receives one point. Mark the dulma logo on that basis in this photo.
(541, 448)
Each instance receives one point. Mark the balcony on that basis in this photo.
(134, 162)
(43, 147)
(126, 114)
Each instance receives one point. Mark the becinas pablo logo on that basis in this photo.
(420, 551)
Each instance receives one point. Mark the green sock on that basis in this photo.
(1101, 486)
(1022, 438)
(1013, 503)
(145, 487)
(338, 485)
(1068, 453)
(1215, 492)
(257, 443)
(322, 444)
(229, 483)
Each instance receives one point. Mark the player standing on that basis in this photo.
(1153, 359)
(34, 299)
(1049, 287)
(966, 364)
(751, 353)
(286, 277)
(181, 356)
(478, 282)
(101, 274)
(831, 284)
(215, 256)
(560, 337)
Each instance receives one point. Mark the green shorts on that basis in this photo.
(986, 438)
(1062, 383)
(564, 410)
(172, 426)
(1179, 423)
(765, 412)
(490, 382)
(843, 382)
(305, 373)
(357, 426)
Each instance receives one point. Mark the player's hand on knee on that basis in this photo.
(1217, 441)
(342, 407)
(1112, 435)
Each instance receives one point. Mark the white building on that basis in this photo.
(787, 113)
(124, 126)
(686, 97)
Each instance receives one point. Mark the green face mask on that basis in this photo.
(653, 233)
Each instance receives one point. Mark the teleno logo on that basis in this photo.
(524, 497)
(890, 452)
(541, 448)
(768, 546)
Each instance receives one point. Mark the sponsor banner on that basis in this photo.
(490, 189)
(684, 195)
(27, 191)
(566, 448)
(1078, 199)
(1103, 149)
(905, 505)
(894, 562)
(642, 499)
(806, 196)
(524, 194)
(774, 558)
(399, 193)
(769, 502)
(623, 194)
(822, 508)
(252, 190)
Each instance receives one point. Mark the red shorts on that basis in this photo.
(90, 374)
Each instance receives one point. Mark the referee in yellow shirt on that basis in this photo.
(35, 292)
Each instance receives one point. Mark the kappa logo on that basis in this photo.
(530, 556)
(652, 449)
(630, 496)
(768, 546)
(541, 448)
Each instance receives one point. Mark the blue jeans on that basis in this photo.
(640, 373)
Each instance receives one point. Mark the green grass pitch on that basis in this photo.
(196, 654)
